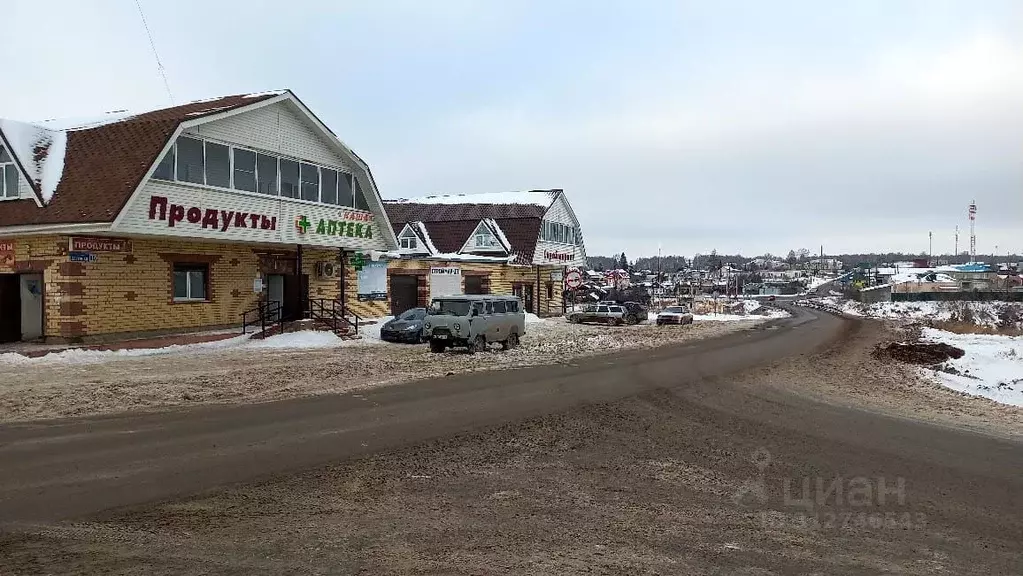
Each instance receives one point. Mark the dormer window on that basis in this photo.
(484, 238)
(8, 175)
(408, 240)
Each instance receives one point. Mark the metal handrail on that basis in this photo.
(264, 310)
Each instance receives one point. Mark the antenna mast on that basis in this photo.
(973, 231)
(152, 44)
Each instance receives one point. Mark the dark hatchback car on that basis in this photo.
(407, 327)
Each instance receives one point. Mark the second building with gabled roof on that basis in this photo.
(518, 243)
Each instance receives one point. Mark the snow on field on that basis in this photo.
(818, 281)
(988, 314)
(992, 366)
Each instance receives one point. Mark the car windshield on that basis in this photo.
(450, 307)
(413, 314)
(674, 310)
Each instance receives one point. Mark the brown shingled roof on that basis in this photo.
(450, 225)
(104, 165)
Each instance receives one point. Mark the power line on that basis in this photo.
(152, 44)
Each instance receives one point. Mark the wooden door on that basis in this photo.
(10, 308)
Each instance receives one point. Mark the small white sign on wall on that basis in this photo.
(445, 281)
(257, 285)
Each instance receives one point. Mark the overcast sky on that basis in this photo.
(736, 126)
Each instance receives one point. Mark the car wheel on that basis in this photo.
(511, 342)
(630, 319)
(436, 346)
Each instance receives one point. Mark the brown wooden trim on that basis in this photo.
(172, 258)
(486, 273)
(410, 272)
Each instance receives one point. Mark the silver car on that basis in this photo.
(473, 322)
(612, 314)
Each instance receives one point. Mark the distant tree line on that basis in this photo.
(714, 261)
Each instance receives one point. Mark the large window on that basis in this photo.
(218, 165)
(344, 190)
(289, 178)
(328, 186)
(191, 166)
(8, 175)
(560, 233)
(245, 170)
(203, 162)
(310, 183)
(191, 281)
(266, 174)
(165, 169)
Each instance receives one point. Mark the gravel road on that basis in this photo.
(672, 465)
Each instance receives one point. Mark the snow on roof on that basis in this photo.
(472, 257)
(534, 197)
(500, 233)
(86, 122)
(425, 235)
(40, 151)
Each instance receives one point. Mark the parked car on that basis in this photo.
(675, 315)
(474, 321)
(602, 313)
(407, 327)
(635, 313)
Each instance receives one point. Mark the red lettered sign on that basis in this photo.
(88, 244)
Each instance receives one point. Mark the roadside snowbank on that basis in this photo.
(992, 366)
(305, 339)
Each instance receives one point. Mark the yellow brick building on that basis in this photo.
(178, 219)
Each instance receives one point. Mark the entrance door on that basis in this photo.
(275, 290)
(404, 292)
(31, 306)
(525, 292)
(10, 308)
(296, 291)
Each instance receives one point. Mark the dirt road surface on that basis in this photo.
(693, 459)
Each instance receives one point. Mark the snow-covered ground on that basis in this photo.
(302, 340)
(992, 366)
(989, 314)
(753, 310)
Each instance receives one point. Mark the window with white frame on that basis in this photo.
(560, 233)
(408, 240)
(8, 175)
(199, 161)
(484, 238)
(191, 281)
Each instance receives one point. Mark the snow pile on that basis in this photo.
(83, 356)
(303, 340)
(817, 281)
(533, 318)
(992, 366)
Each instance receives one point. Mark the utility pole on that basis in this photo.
(955, 254)
(930, 248)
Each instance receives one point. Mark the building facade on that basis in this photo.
(520, 243)
(180, 219)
